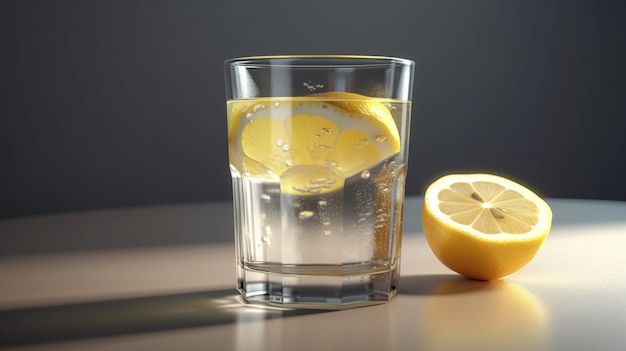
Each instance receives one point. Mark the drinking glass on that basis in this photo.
(318, 156)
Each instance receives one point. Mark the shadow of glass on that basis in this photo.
(136, 315)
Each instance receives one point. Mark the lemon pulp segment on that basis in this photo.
(488, 207)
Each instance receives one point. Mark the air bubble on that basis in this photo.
(286, 147)
(312, 86)
(390, 106)
(324, 147)
(362, 142)
(325, 130)
(306, 214)
(266, 197)
(365, 174)
(322, 203)
(314, 189)
(381, 138)
(319, 180)
(326, 223)
(280, 142)
(276, 104)
(326, 232)
(304, 189)
(273, 190)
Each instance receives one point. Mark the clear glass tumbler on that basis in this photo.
(318, 156)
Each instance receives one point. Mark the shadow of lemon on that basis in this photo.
(464, 314)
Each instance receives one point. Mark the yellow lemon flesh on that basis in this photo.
(310, 144)
(484, 226)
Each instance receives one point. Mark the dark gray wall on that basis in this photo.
(121, 103)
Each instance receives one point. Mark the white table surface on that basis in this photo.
(162, 278)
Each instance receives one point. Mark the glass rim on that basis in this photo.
(317, 61)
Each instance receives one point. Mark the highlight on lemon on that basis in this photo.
(484, 226)
(312, 143)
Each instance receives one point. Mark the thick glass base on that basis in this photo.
(317, 291)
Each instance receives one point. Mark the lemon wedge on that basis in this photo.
(310, 144)
(484, 226)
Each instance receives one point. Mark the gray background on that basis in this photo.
(121, 103)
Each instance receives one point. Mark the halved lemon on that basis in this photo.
(313, 143)
(484, 226)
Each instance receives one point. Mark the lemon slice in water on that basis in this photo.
(312, 144)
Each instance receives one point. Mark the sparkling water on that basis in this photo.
(314, 246)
